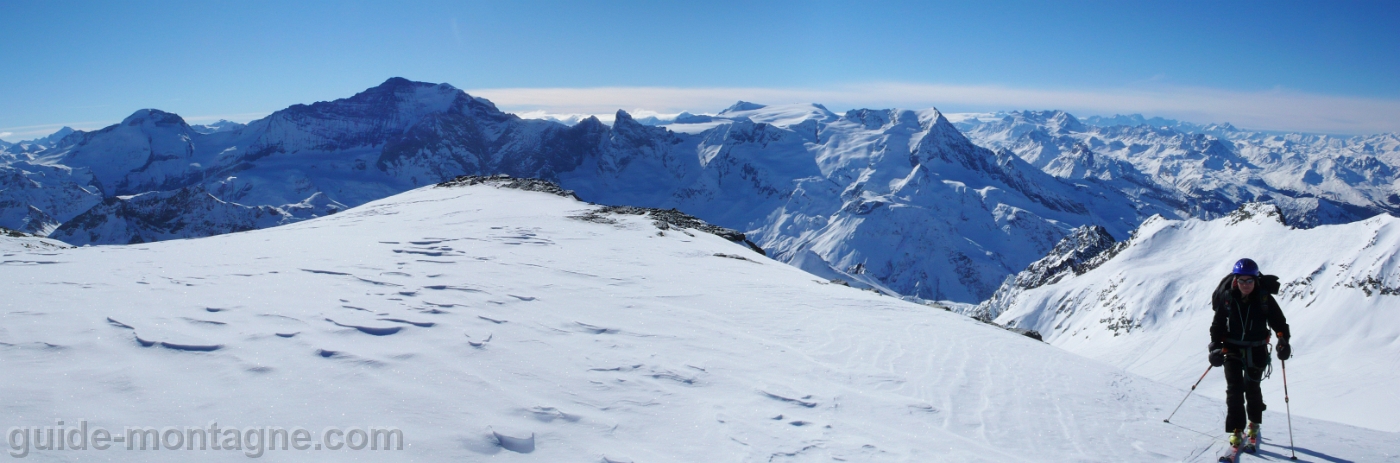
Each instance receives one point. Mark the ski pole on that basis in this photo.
(1288, 409)
(1198, 383)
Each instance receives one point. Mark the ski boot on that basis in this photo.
(1251, 441)
(1232, 453)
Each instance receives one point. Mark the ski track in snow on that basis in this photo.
(552, 339)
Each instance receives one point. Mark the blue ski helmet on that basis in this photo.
(1246, 267)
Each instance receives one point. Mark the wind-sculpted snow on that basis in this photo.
(1146, 307)
(539, 336)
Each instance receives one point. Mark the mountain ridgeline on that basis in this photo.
(896, 200)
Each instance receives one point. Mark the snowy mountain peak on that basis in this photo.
(154, 117)
(742, 106)
(785, 115)
(873, 119)
(622, 117)
(222, 125)
(685, 117)
(397, 102)
(1019, 123)
(1055, 121)
(402, 86)
(1131, 120)
(27, 149)
(1224, 127)
(624, 127)
(51, 140)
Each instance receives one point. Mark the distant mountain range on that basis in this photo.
(900, 201)
(1207, 171)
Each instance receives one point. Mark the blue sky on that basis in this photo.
(1329, 67)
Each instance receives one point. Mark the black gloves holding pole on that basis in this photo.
(1217, 354)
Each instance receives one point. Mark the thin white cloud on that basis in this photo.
(1282, 110)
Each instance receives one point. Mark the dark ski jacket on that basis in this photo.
(1245, 321)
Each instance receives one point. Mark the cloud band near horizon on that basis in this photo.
(1272, 110)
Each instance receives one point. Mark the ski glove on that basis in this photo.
(1217, 354)
(1284, 350)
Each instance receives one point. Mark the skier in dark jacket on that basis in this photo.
(1244, 315)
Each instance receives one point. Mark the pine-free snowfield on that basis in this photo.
(487, 324)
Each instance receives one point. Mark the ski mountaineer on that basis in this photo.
(1245, 312)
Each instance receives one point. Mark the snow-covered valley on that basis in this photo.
(489, 323)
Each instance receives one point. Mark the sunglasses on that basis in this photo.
(1245, 281)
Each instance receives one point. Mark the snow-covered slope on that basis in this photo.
(166, 215)
(1144, 305)
(37, 198)
(504, 324)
